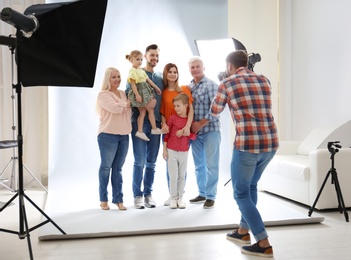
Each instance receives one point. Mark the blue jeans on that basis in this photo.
(246, 171)
(113, 152)
(145, 156)
(205, 149)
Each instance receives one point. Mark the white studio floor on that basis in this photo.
(73, 204)
(89, 220)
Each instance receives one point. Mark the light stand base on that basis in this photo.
(25, 233)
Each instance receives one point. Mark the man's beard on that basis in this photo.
(152, 64)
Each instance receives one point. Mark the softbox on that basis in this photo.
(64, 50)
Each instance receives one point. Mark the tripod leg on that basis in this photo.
(21, 234)
(13, 183)
(7, 166)
(319, 194)
(35, 177)
(3, 172)
(42, 212)
(9, 202)
(340, 197)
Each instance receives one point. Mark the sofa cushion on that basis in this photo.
(292, 166)
(313, 140)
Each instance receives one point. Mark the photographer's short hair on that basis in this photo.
(237, 58)
(182, 97)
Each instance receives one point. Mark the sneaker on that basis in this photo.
(167, 202)
(197, 199)
(181, 204)
(256, 250)
(209, 204)
(235, 236)
(156, 131)
(142, 136)
(138, 202)
(173, 204)
(149, 202)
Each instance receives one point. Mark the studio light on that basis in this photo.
(27, 24)
(213, 52)
(63, 52)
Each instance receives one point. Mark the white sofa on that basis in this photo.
(299, 168)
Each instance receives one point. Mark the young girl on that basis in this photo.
(142, 94)
(175, 150)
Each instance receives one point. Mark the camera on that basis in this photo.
(334, 147)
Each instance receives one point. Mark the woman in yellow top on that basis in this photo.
(142, 95)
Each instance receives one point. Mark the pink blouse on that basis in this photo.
(115, 116)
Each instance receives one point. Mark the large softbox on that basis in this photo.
(64, 50)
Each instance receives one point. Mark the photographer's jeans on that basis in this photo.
(246, 171)
(145, 156)
(113, 152)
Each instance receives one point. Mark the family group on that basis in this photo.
(155, 108)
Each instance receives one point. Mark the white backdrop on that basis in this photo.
(173, 25)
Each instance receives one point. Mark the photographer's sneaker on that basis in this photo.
(256, 250)
(149, 202)
(138, 202)
(242, 238)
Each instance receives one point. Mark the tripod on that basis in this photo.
(14, 157)
(335, 181)
(24, 230)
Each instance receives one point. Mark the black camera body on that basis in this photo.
(334, 147)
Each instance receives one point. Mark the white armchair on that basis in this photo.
(299, 169)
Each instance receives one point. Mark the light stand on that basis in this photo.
(333, 149)
(63, 52)
(11, 42)
(24, 230)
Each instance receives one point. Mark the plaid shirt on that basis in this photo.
(203, 93)
(248, 96)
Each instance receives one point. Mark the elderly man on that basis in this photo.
(205, 148)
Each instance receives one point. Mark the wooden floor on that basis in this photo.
(329, 240)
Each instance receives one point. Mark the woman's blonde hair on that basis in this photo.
(105, 84)
(165, 72)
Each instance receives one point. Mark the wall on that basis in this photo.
(305, 52)
(254, 23)
(320, 64)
